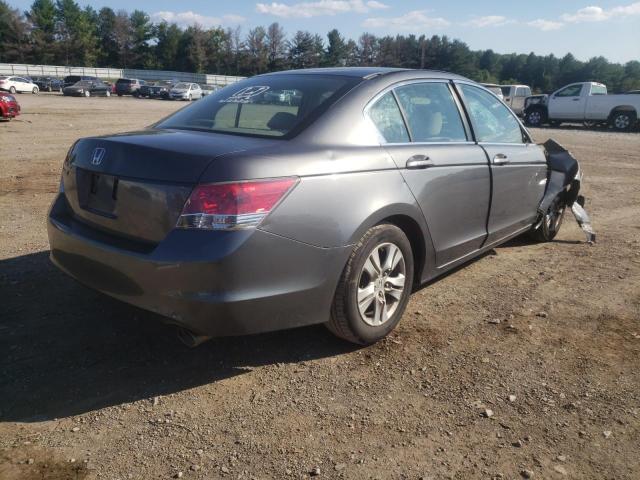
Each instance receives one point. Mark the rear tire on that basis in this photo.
(623, 120)
(12, 90)
(35, 91)
(551, 222)
(372, 296)
(87, 93)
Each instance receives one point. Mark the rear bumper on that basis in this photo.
(215, 283)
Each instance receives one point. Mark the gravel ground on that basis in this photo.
(524, 363)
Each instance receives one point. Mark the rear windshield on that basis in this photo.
(124, 81)
(268, 106)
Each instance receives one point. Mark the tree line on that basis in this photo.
(61, 32)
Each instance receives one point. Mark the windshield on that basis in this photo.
(181, 85)
(271, 106)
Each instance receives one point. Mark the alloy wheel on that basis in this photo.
(381, 284)
(535, 118)
(622, 121)
(553, 218)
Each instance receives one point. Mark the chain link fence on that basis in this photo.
(115, 73)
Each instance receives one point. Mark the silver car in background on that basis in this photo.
(302, 197)
(185, 91)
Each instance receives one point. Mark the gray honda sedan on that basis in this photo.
(298, 198)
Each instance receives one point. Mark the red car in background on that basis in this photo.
(9, 106)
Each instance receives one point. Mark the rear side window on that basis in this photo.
(263, 106)
(598, 90)
(387, 118)
(431, 112)
(492, 121)
(523, 92)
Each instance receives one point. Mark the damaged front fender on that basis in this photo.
(563, 180)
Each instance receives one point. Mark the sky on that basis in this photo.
(586, 28)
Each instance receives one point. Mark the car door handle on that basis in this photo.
(419, 161)
(500, 159)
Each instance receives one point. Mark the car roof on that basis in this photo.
(368, 72)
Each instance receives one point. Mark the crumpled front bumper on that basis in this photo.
(214, 283)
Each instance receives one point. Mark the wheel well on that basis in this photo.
(413, 232)
(623, 108)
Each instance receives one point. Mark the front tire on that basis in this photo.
(535, 117)
(374, 288)
(107, 93)
(35, 90)
(87, 93)
(12, 90)
(551, 221)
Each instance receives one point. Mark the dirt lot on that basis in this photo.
(92, 388)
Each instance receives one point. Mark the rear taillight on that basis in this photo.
(233, 206)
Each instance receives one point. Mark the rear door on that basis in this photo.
(568, 103)
(518, 167)
(423, 130)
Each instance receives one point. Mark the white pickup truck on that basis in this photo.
(586, 102)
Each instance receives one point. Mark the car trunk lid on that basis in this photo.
(135, 185)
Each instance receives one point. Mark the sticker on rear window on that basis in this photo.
(245, 95)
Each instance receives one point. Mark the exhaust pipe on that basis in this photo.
(190, 338)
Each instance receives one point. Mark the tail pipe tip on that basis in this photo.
(190, 338)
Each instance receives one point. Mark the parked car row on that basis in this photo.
(86, 85)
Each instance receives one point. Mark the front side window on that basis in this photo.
(570, 91)
(387, 118)
(492, 121)
(432, 114)
(263, 106)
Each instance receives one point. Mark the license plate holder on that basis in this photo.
(100, 193)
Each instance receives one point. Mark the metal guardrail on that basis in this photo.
(114, 73)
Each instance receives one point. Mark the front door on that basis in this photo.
(568, 103)
(447, 173)
(518, 167)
